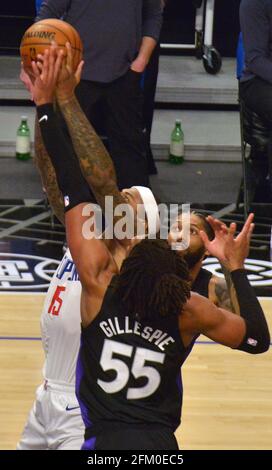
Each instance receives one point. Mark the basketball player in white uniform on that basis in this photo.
(55, 421)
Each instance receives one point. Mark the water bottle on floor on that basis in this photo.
(176, 153)
(23, 140)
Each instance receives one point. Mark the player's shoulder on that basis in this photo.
(199, 309)
(195, 300)
(193, 307)
(190, 318)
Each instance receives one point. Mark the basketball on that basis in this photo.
(39, 36)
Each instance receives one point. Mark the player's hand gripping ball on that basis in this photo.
(40, 35)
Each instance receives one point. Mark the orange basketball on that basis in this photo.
(39, 36)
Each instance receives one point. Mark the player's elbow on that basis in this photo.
(258, 344)
(262, 348)
(264, 345)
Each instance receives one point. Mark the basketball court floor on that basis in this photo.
(227, 394)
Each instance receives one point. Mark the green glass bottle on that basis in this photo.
(23, 140)
(176, 154)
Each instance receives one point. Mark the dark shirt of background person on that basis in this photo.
(256, 26)
(111, 36)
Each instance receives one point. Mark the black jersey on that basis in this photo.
(201, 287)
(201, 284)
(128, 371)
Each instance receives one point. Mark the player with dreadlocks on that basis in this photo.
(132, 349)
(136, 329)
(168, 294)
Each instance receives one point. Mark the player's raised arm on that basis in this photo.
(95, 161)
(97, 172)
(247, 332)
(48, 175)
(90, 254)
(231, 251)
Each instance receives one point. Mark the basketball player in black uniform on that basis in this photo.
(128, 372)
(138, 327)
(219, 290)
(132, 421)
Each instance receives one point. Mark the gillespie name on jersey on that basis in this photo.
(113, 327)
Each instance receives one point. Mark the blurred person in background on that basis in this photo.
(256, 79)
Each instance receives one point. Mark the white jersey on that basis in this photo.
(55, 421)
(60, 323)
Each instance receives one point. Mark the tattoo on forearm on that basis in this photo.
(222, 295)
(226, 293)
(96, 164)
(48, 175)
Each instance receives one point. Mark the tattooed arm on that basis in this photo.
(231, 251)
(48, 175)
(222, 293)
(96, 164)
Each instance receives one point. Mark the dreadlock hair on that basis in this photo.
(153, 280)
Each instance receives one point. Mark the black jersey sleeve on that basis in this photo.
(257, 338)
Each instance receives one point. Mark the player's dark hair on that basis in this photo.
(153, 280)
(206, 226)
